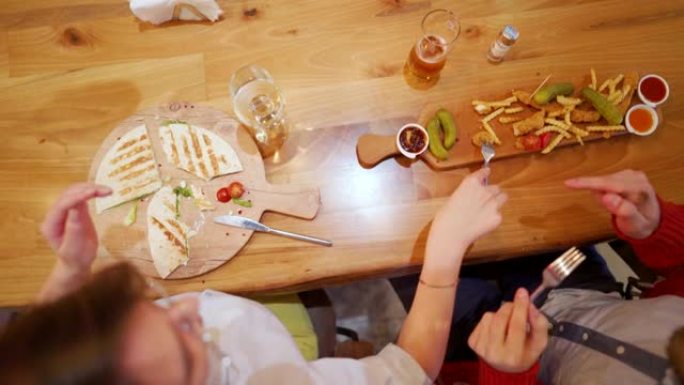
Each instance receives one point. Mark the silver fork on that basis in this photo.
(559, 270)
(487, 153)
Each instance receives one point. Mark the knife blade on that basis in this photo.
(251, 224)
(241, 222)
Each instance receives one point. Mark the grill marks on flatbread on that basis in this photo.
(170, 236)
(198, 151)
(129, 168)
(212, 156)
(167, 236)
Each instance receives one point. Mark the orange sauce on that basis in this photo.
(641, 120)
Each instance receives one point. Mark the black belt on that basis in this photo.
(633, 356)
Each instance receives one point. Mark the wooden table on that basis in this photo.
(70, 70)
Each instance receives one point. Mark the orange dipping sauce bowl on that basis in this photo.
(641, 120)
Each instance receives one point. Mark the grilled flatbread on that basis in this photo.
(198, 150)
(167, 236)
(129, 168)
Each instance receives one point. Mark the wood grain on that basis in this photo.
(74, 70)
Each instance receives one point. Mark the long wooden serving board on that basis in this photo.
(214, 244)
(373, 149)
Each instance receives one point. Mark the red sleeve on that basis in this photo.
(491, 376)
(664, 249)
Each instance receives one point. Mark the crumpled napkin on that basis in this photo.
(159, 11)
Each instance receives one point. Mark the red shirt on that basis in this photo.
(663, 252)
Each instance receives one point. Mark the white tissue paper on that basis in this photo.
(159, 11)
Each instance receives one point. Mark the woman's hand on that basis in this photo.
(629, 196)
(471, 212)
(69, 229)
(501, 339)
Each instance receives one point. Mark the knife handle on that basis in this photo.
(301, 237)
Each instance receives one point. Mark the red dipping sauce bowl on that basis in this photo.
(412, 140)
(653, 90)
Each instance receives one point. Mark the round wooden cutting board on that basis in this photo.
(214, 244)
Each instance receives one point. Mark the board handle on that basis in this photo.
(296, 201)
(373, 149)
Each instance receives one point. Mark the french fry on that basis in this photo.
(556, 123)
(618, 97)
(491, 132)
(606, 135)
(555, 129)
(593, 79)
(578, 131)
(567, 101)
(579, 140)
(554, 142)
(567, 118)
(604, 85)
(618, 79)
(613, 83)
(497, 103)
(510, 119)
(615, 97)
(605, 128)
(623, 93)
(611, 89)
(513, 110)
(493, 115)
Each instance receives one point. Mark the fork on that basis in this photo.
(558, 271)
(487, 153)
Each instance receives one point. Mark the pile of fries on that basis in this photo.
(559, 117)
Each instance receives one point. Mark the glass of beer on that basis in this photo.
(440, 29)
(259, 105)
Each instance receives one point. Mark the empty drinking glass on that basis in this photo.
(259, 105)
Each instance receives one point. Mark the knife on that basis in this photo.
(251, 224)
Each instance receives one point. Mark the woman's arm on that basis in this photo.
(70, 232)
(471, 211)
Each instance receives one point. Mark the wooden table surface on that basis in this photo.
(71, 70)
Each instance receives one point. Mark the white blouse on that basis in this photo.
(255, 348)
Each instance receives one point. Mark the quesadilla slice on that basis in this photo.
(166, 234)
(198, 150)
(129, 169)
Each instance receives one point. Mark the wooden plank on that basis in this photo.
(33, 13)
(4, 56)
(71, 113)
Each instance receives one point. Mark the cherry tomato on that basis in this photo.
(545, 139)
(223, 195)
(236, 190)
(531, 142)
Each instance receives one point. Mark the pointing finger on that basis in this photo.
(517, 332)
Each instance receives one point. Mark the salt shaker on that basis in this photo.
(504, 41)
